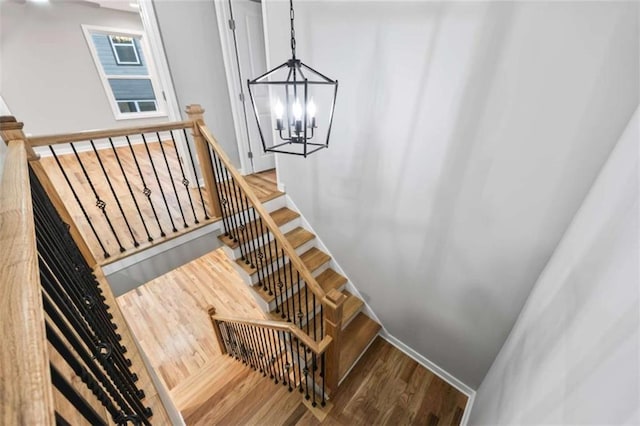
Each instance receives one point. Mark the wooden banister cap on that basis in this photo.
(194, 109)
(211, 310)
(336, 297)
(9, 122)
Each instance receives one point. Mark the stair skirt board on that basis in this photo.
(334, 263)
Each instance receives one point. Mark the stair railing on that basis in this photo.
(276, 349)
(126, 188)
(62, 357)
(299, 298)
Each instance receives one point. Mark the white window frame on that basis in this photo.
(152, 75)
(117, 56)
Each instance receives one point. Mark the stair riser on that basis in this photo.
(236, 254)
(252, 279)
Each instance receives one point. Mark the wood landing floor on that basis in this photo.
(168, 316)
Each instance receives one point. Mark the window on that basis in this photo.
(126, 72)
(124, 50)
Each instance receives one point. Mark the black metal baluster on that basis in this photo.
(321, 321)
(222, 195)
(282, 274)
(145, 189)
(315, 325)
(306, 303)
(232, 340)
(283, 348)
(306, 372)
(313, 378)
(268, 283)
(225, 336)
(259, 352)
(75, 195)
(127, 400)
(243, 222)
(84, 328)
(99, 202)
(195, 174)
(173, 184)
(323, 403)
(133, 197)
(289, 354)
(235, 212)
(292, 306)
(276, 355)
(185, 181)
(299, 365)
(251, 347)
(74, 398)
(113, 192)
(300, 315)
(281, 286)
(155, 173)
(247, 227)
(228, 203)
(265, 351)
(272, 355)
(258, 253)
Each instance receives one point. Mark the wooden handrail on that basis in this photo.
(316, 347)
(25, 384)
(266, 217)
(106, 133)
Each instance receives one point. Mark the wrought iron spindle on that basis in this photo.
(87, 378)
(269, 281)
(185, 181)
(291, 300)
(247, 228)
(113, 192)
(173, 184)
(299, 314)
(276, 356)
(155, 173)
(77, 400)
(322, 362)
(105, 253)
(313, 378)
(146, 191)
(306, 372)
(195, 174)
(286, 338)
(282, 280)
(242, 218)
(133, 197)
(315, 325)
(101, 204)
(222, 195)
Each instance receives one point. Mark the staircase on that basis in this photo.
(358, 330)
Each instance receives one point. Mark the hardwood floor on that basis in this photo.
(168, 316)
(169, 215)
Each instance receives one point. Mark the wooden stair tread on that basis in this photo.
(355, 338)
(312, 258)
(296, 237)
(330, 279)
(280, 217)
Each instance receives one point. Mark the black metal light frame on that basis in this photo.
(300, 78)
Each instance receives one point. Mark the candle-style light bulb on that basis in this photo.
(311, 112)
(278, 110)
(297, 110)
(297, 116)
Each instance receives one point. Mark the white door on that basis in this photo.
(245, 59)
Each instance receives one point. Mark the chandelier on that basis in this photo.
(286, 102)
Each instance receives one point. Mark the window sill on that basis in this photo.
(140, 115)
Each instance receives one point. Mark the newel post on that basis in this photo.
(195, 113)
(216, 328)
(11, 129)
(333, 305)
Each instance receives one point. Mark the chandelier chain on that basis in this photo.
(293, 31)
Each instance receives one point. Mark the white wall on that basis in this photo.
(573, 356)
(48, 77)
(192, 45)
(466, 136)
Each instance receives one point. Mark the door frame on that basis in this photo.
(154, 42)
(223, 14)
